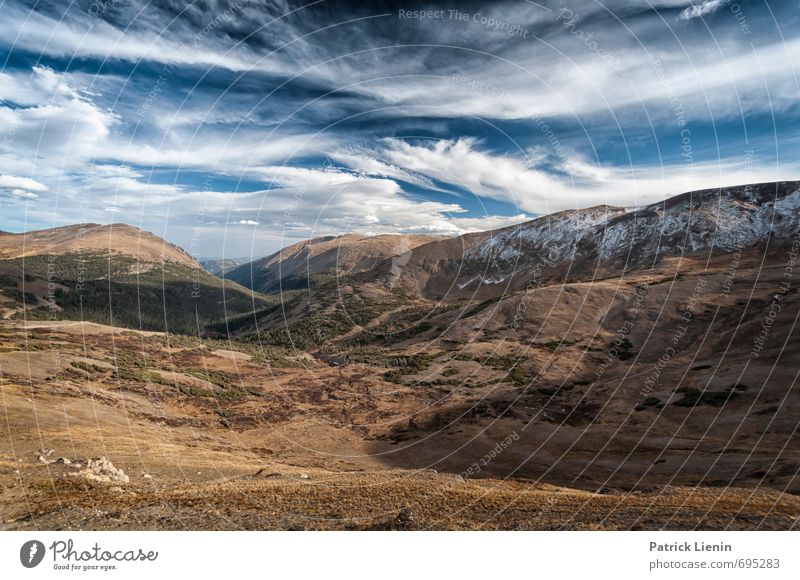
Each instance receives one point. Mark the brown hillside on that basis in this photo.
(93, 239)
(330, 255)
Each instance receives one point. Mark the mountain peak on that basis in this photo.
(93, 239)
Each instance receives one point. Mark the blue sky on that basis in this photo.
(234, 128)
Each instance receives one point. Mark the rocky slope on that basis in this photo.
(601, 241)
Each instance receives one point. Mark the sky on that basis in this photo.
(234, 128)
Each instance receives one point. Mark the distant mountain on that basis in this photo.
(115, 274)
(311, 261)
(96, 240)
(445, 284)
(220, 266)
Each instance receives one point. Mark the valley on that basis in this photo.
(596, 369)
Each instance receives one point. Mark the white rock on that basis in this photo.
(103, 471)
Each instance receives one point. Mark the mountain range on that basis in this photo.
(638, 359)
(377, 274)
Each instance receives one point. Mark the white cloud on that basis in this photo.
(575, 183)
(26, 183)
(307, 202)
(577, 80)
(216, 152)
(84, 36)
(21, 187)
(700, 10)
(508, 178)
(53, 126)
(23, 193)
(711, 77)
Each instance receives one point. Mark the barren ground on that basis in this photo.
(214, 435)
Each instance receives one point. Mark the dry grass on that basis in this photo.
(375, 501)
(313, 448)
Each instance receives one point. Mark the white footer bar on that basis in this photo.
(401, 555)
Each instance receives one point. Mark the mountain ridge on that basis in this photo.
(113, 274)
(296, 266)
(445, 284)
(377, 274)
(602, 240)
(90, 238)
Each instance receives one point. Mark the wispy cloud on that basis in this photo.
(542, 185)
(12, 182)
(275, 121)
(702, 9)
